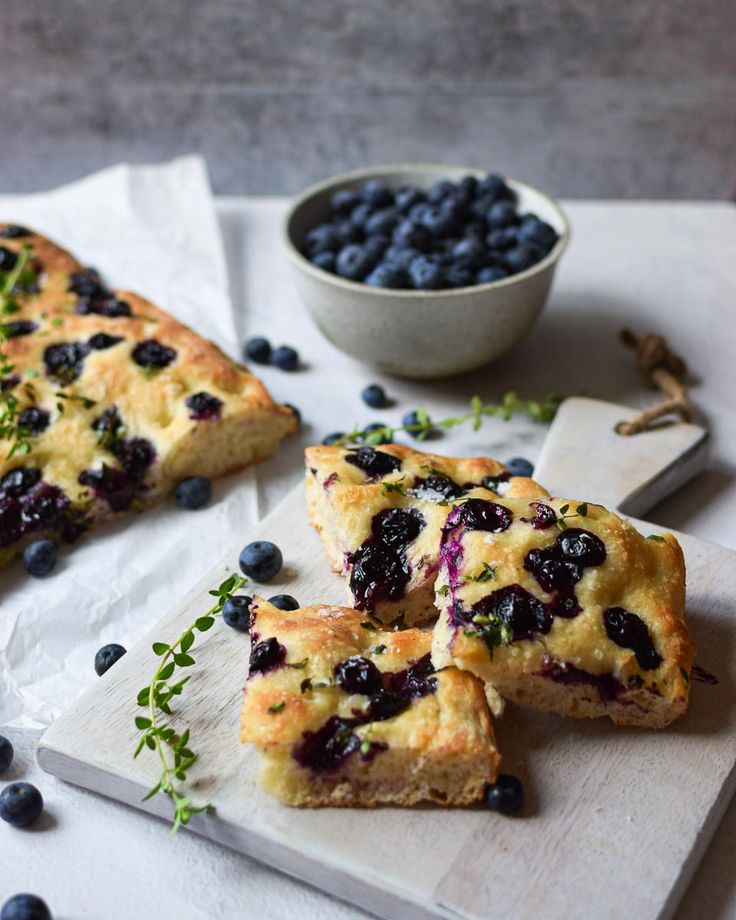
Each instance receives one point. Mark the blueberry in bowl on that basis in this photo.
(445, 268)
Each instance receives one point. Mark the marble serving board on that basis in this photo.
(616, 819)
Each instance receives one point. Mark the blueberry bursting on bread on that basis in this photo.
(115, 401)
(347, 714)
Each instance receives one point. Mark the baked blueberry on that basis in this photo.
(284, 602)
(20, 804)
(324, 260)
(581, 547)
(375, 463)
(333, 438)
(343, 201)
(501, 214)
(376, 194)
(25, 907)
(358, 675)
(8, 259)
(506, 795)
(64, 361)
(14, 232)
(236, 612)
(194, 493)
(257, 349)
(261, 560)
(87, 283)
(385, 705)
(204, 406)
(20, 480)
(354, 262)
(152, 354)
(39, 558)
(521, 257)
(321, 238)
(481, 514)
(425, 275)
(374, 396)
(386, 275)
(397, 527)
(33, 420)
(296, 413)
(107, 656)
(101, 340)
(6, 754)
(490, 274)
(628, 630)
(519, 466)
(135, 455)
(285, 358)
(266, 655)
(18, 327)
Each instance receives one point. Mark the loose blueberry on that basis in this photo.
(385, 437)
(236, 612)
(376, 245)
(494, 186)
(25, 907)
(321, 239)
(285, 357)
(20, 804)
(386, 275)
(348, 232)
(327, 261)
(382, 221)
(468, 187)
(490, 274)
(440, 220)
(343, 201)
(358, 675)
(500, 240)
(519, 466)
(284, 602)
(360, 214)
(411, 234)
(39, 558)
(401, 256)
(330, 439)
(6, 754)
(458, 276)
(374, 396)
(376, 194)
(502, 214)
(354, 262)
(522, 257)
(194, 493)
(469, 253)
(439, 191)
(261, 560)
(107, 656)
(410, 421)
(537, 232)
(152, 354)
(506, 795)
(257, 349)
(406, 198)
(425, 275)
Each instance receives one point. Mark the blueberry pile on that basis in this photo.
(451, 235)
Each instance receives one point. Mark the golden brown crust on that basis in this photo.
(150, 402)
(343, 500)
(439, 748)
(573, 668)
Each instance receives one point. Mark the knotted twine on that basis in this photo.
(663, 368)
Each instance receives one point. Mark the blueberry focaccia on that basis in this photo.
(347, 714)
(380, 511)
(114, 400)
(565, 607)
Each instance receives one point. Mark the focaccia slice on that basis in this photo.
(347, 714)
(115, 401)
(380, 511)
(565, 607)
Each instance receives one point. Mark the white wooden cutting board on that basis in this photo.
(616, 819)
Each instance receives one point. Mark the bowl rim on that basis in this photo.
(326, 185)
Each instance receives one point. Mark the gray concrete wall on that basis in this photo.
(633, 98)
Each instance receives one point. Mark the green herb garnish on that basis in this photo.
(299, 664)
(563, 516)
(656, 538)
(160, 736)
(277, 707)
(368, 625)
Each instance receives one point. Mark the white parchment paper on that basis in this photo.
(150, 229)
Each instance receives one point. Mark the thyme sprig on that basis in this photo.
(9, 402)
(159, 735)
(564, 516)
(537, 410)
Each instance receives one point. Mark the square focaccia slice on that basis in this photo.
(347, 714)
(565, 607)
(114, 400)
(380, 511)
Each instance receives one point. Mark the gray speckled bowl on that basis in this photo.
(420, 334)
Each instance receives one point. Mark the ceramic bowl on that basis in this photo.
(420, 334)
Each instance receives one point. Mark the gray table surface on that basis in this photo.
(655, 267)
